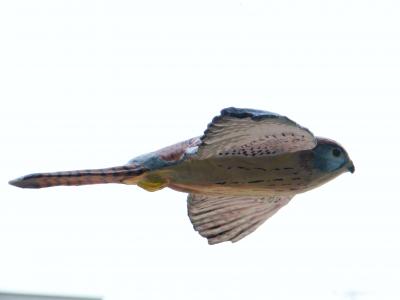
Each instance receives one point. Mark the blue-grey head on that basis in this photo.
(331, 157)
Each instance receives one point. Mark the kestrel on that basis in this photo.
(242, 170)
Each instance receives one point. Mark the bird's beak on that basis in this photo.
(350, 167)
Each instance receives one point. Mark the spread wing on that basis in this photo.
(249, 132)
(221, 218)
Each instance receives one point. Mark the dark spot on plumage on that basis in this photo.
(283, 134)
(278, 179)
(274, 136)
(221, 182)
(288, 168)
(262, 169)
(255, 181)
(235, 182)
(243, 168)
(296, 178)
(293, 189)
(277, 169)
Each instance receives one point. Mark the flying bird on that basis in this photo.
(246, 166)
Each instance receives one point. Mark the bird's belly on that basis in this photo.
(249, 176)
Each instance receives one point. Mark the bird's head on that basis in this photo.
(331, 157)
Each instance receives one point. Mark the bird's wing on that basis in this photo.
(249, 132)
(221, 218)
(167, 156)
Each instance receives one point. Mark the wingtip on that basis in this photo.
(255, 114)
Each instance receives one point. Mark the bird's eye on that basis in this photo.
(336, 152)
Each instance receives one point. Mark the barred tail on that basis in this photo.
(119, 174)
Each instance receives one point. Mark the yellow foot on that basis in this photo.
(152, 185)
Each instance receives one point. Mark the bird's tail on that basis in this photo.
(121, 174)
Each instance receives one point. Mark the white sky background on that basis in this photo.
(94, 83)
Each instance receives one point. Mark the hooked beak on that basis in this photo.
(350, 167)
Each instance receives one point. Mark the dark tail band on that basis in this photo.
(79, 177)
